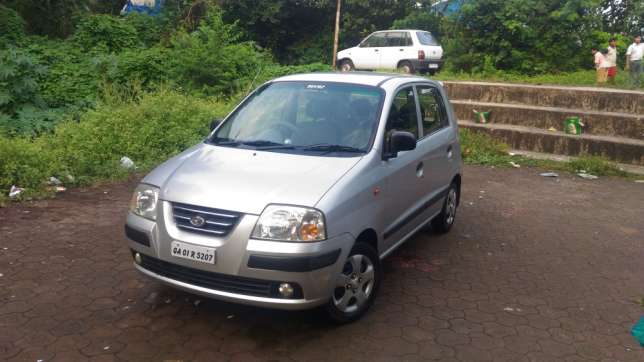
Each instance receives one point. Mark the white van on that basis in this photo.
(408, 51)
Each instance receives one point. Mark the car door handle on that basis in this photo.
(420, 170)
(402, 50)
(376, 50)
(449, 151)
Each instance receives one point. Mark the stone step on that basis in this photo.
(584, 98)
(618, 149)
(595, 122)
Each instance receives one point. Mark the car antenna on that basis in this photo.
(250, 87)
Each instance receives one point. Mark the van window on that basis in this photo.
(426, 38)
(398, 39)
(374, 41)
(432, 109)
(402, 114)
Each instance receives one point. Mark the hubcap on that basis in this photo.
(355, 284)
(450, 210)
(346, 67)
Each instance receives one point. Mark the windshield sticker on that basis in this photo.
(315, 86)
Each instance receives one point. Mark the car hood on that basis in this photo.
(247, 180)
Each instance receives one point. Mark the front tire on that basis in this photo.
(443, 222)
(356, 286)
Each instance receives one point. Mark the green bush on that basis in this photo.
(12, 27)
(72, 79)
(25, 163)
(107, 31)
(149, 130)
(212, 60)
(148, 67)
(22, 108)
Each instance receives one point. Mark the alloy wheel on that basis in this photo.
(355, 284)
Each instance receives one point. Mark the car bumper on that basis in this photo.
(427, 64)
(247, 271)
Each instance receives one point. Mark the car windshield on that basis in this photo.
(426, 38)
(304, 117)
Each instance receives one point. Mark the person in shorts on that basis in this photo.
(600, 65)
(611, 58)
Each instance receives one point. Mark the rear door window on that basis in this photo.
(396, 39)
(432, 109)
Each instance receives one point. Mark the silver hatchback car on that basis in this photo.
(294, 198)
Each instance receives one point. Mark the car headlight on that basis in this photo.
(290, 223)
(144, 201)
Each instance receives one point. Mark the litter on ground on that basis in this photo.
(549, 174)
(127, 162)
(54, 181)
(514, 164)
(15, 191)
(587, 176)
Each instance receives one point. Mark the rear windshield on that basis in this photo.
(426, 38)
(300, 117)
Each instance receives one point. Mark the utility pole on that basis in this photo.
(337, 32)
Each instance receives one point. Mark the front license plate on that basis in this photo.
(433, 66)
(201, 254)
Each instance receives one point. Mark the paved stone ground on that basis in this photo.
(535, 269)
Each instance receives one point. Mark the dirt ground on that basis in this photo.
(535, 269)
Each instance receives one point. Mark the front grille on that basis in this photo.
(216, 281)
(217, 222)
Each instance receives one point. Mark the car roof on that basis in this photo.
(361, 78)
(390, 30)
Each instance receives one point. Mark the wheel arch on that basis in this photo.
(401, 61)
(369, 237)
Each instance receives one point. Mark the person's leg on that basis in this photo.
(612, 73)
(601, 75)
(638, 73)
(633, 73)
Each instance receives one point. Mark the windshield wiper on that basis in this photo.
(325, 147)
(267, 145)
(223, 141)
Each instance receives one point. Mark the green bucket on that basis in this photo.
(481, 117)
(573, 125)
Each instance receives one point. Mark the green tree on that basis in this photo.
(527, 36)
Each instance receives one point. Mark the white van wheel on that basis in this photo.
(346, 65)
(406, 67)
(356, 285)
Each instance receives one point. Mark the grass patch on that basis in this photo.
(481, 149)
(149, 130)
(579, 78)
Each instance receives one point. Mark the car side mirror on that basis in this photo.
(401, 141)
(214, 123)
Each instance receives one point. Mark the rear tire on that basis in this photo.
(347, 65)
(356, 285)
(406, 67)
(443, 222)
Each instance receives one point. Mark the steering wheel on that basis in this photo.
(286, 125)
